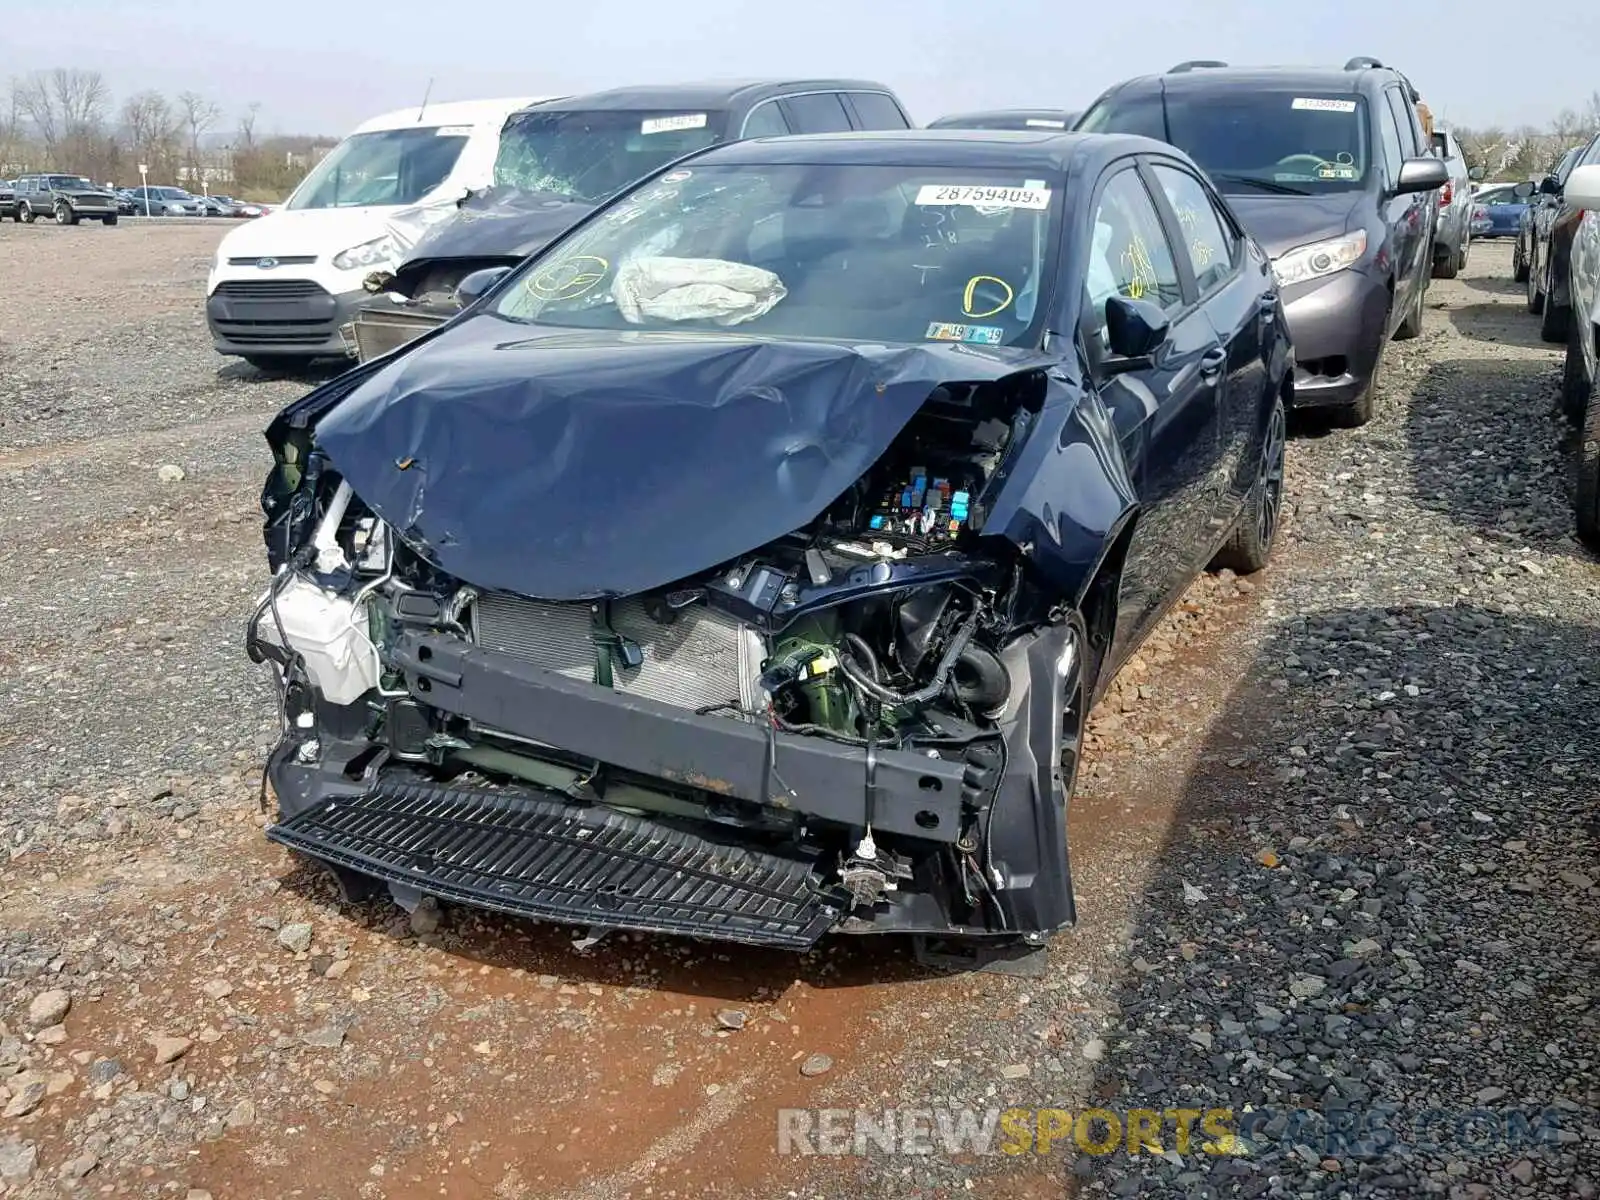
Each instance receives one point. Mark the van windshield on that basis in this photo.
(386, 166)
(589, 155)
(1254, 141)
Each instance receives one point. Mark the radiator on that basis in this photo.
(702, 660)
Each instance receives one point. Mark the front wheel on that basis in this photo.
(1535, 291)
(111, 220)
(1576, 386)
(65, 215)
(279, 364)
(1554, 320)
(1249, 546)
(1519, 265)
(1448, 264)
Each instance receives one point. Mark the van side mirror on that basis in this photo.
(1550, 186)
(1422, 175)
(472, 288)
(1475, 174)
(1583, 187)
(1523, 190)
(1135, 330)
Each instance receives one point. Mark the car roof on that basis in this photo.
(968, 119)
(449, 112)
(1048, 151)
(709, 94)
(1205, 79)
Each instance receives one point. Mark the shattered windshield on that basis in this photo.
(389, 166)
(592, 155)
(842, 252)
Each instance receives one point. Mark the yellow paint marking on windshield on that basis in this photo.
(970, 296)
(570, 279)
(1141, 271)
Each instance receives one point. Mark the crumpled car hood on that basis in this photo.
(498, 223)
(569, 464)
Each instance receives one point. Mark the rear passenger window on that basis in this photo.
(1130, 255)
(820, 112)
(765, 120)
(1206, 241)
(877, 111)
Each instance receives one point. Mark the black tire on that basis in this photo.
(25, 214)
(1519, 265)
(1461, 261)
(1362, 409)
(1586, 501)
(1576, 387)
(65, 214)
(279, 364)
(1535, 291)
(111, 220)
(1446, 266)
(1411, 325)
(1249, 546)
(1554, 321)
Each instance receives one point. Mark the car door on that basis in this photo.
(1405, 217)
(1240, 309)
(876, 110)
(1166, 416)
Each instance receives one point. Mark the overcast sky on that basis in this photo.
(321, 67)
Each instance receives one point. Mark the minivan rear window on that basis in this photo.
(1255, 141)
(386, 166)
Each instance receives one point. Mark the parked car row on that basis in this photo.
(935, 426)
(68, 199)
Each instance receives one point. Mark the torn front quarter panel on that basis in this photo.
(571, 464)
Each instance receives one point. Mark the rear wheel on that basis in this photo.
(1554, 320)
(1411, 326)
(1535, 290)
(1446, 265)
(1249, 547)
(1519, 265)
(25, 213)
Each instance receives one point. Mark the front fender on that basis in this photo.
(1070, 491)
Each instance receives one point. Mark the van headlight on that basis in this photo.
(367, 254)
(1319, 258)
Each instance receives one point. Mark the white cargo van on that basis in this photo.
(282, 285)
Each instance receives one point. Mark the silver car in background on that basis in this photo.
(1452, 231)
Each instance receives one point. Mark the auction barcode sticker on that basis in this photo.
(1322, 104)
(983, 197)
(670, 124)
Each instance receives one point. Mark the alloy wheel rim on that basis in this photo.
(1271, 479)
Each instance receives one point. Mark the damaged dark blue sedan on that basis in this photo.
(745, 564)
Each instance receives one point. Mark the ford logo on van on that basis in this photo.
(266, 264)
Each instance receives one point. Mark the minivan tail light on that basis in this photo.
(1446, 194)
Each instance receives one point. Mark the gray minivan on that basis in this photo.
(1331, 172)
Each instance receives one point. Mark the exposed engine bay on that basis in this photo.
(856, 672)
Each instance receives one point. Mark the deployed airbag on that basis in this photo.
(661, 288)
(569, 464)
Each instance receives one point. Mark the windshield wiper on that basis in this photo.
(1266, 185)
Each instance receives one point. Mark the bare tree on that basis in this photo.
(199, 115)
(152, 131)
(81, 98)
(37, 104)
(247, 126)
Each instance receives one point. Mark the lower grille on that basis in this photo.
(703, 660)
(519, 852)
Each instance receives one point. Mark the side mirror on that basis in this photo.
(1583, 187)
(470, 289)
(1475, 174)
(1135, 330)
(1523, 190)
(1550, 186)
(1422, 175)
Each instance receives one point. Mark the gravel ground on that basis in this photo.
(1335, 849)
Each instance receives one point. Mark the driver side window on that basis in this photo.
(1130, 255)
